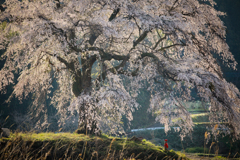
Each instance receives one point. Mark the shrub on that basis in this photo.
(196, 150)
(219, 157)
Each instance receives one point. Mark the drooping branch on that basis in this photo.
(160, 40)
(206, 54)
(114, 14)
(140, 38)
(119, 70)
(172, 8)
(2, 8)
(57, 4)
(67, 64)
(108, 55)
(173, 45)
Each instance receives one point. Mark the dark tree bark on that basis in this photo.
(82, 84)
(82, 79)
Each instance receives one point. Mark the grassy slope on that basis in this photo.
(79, 146)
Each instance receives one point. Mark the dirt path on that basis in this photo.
(196, 157)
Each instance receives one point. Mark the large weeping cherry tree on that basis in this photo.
(167, 46)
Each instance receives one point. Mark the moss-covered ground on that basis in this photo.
(79, 146)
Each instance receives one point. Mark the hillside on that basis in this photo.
(79, 146)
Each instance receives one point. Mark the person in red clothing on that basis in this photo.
(165, 145)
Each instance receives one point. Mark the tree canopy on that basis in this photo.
(169, 47)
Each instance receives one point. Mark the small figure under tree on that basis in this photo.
(165, 145)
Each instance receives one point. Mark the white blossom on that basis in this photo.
(165, 46)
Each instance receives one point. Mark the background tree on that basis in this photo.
(165, 45)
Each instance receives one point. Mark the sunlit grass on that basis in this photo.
(196, 117)
(199, 115)
(79, 145)
(200, 110)
(209, 123)
(55, 136)
(181, 154)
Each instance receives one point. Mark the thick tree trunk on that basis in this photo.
(87, 125)
(82, 84)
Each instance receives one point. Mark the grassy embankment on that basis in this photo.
(79, 146)
(196, 143)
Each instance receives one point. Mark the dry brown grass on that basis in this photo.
(78, 146)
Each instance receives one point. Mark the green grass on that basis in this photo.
(200, 110)
(50, 136)
(197, 150)
(219, 157)
(209, 123)
(79, 146)
(199, 115)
